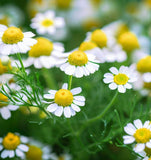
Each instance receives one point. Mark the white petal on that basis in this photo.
(121, 89)
(70, 69)
(75, 107)
(5, 113)
(72, 112)
(114, 70)
(128, 139)
(52, 91)
(59, 22)
(79, 72)
(139, 147)
(130, 129)
(128, 86)
(23, 147)
(65, 86)
(19, 153)
(108, 75)
(5, 153)
(148, 144)
(146, 124)
(67, 112)
(138, 123)
(49, 96)
(80, 103)
(79, 98)
(12, 107)
(52, 107)
(11, 154)
(1, 147)
(75, 91)
(113, 86)
(59, 111)
(24, 139)
(108, 80)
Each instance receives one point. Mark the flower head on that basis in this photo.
(47, 23)
(13, 145)
(65, 101)
(13, 40)
(129, 41)
(121, 79)
(79, 63)
(139, 133)
(43, 54)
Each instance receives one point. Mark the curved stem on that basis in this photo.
(20, 60)
(69, 82)
(100, 116)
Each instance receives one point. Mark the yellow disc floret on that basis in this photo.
(129, 41)
(63, 4)
(63, 97)
(78, 58)
(121, 79)
(144, 64)
(4, 20)
(4, 68)
(47, 22)
(147, 85)
(12, 35)
(142, 135)
(61, 158)
(43, 47)
(99, 37)
(3, 99)
(34, 153)
(87, 46)
(121, 30)
(11, 141)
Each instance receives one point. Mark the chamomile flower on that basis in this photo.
(64, 156)
(5, 107)
(13, 145)
(43, 54)
(79, 64)
(139, 133)
(38, 151)
(120, 79)
(65, 101)
(13, 40)
(47, 23)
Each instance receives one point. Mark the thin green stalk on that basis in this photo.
(49, 79)
(69, 82)
(20, 60)
(100, 116)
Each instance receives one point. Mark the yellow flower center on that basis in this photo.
(128, 41)
(144, 64)
(34, 153)
(148, 3)
(12, 35)
(61, 158)
(3, 68)
(121, 30)
(11, 141)
(43, 47)
(3, 99)
(78, 58)
(63, 4)
(147, 85)
(63, 97)
(121, 79)
(87, 46)
(47, 22)
(4, 21)
(99, 37)
(148, 151)
(142, 135)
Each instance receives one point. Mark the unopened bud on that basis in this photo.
(5, 60)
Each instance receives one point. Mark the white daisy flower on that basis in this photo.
(139, 133)
(121, 79)
(47, 23)
(13, 145)
(44, 54)
(65, 101)
(37, 151)
(80, 64)
(13, 40)
(5, 109)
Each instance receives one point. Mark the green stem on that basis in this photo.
(20, 60)
(48, 78)
(69, 82)
(100, 116)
